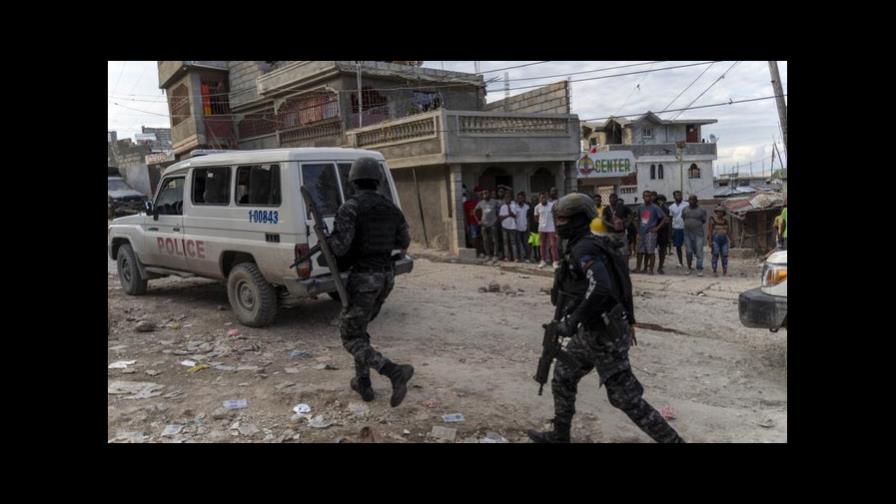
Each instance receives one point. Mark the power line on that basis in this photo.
(124, 64)
(518, 66)
(586, 71)
(138, 78)
(686, 88)
(709, 87)
(729, 102)
(621, 74)
(637, 87)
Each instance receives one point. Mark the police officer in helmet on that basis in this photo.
(594, 286)
(367, 228)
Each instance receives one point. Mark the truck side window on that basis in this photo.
(349, 189)
(320, 179)
(170, 200)
(258, 185)
(211, 186)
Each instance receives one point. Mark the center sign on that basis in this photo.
(606, 164)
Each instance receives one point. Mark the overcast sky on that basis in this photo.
(745, 131)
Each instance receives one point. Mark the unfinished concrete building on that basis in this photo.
(433, 126)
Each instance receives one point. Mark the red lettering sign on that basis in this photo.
(169, 245)
(161, 243)
(200, 249)
(191, 248)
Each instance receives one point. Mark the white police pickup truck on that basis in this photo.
(239, 216)
(766, 306)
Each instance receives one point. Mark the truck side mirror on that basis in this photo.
(151, 210)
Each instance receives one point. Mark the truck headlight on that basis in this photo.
(773, 274)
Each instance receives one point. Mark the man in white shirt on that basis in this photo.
(508, 225)
(675, 210)
(546, 231)
(520, 208)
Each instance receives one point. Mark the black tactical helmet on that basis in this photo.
(364, 168)
(575, 203)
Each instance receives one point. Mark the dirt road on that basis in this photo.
(474, 353)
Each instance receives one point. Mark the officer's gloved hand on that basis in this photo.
(566, 329)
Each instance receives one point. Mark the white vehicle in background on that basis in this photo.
(766, 306)
(239, 216)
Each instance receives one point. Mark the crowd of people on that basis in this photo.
(503, 228)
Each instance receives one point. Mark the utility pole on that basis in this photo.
(506, 91)
(779, 93)
(360, 99)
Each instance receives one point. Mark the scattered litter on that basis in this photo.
(117, 348)
(153, 372)
(221, 308)
(187, 363)
(291, 370)
(221, 367)
(281, 386)
(172, 429)
(198, 367)
(248, 368)
(505, 287)
(243, 384)
(233, 332)
(367, 435)
(301, 354)
(318, 422)
(445, 433)
(358, 409)
(667, 413)
(302, 409)
(228, 323)
(483, 289)
(768, 423)
(431, 403)
(248, 430)
(122, 364)
(235, 425)
(406, 432)
(493, 437)
(174, 325)
(145, 326)
(453, 417)
(236, 404)
(326, 366)
(139, 390)
(128, 437)
(494, 287)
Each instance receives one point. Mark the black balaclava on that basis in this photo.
(577, 226)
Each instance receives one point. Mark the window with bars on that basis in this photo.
(694, 171)
(371, 97)
(214, 98)
(307, 109)
(652, 172)
(180, 104)
(257, 124)
(660, 171)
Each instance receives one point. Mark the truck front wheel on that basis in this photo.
(252, 298)
(129, 273)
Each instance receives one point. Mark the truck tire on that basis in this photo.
(252, 298)
(128, 272)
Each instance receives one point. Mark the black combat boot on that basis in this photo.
(400, 375)
(560, 434)
(363, 387)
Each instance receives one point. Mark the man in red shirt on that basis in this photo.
(472, 222)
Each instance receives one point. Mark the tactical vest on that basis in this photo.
(572, 282)
(377, 226)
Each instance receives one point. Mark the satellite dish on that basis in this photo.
(713, 139)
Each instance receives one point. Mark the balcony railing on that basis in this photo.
(510, 125)
(691, 149)
(301, 134)
(417, 128)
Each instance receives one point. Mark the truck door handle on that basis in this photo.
(153, 229)
(176, 229)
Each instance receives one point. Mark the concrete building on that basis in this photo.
(433, 127)
(647, 153)
(157, 139)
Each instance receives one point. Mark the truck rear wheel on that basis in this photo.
(252, 298)
(129, 273)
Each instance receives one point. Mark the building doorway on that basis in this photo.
(541, 181)
(693, 134)
(492, 177)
